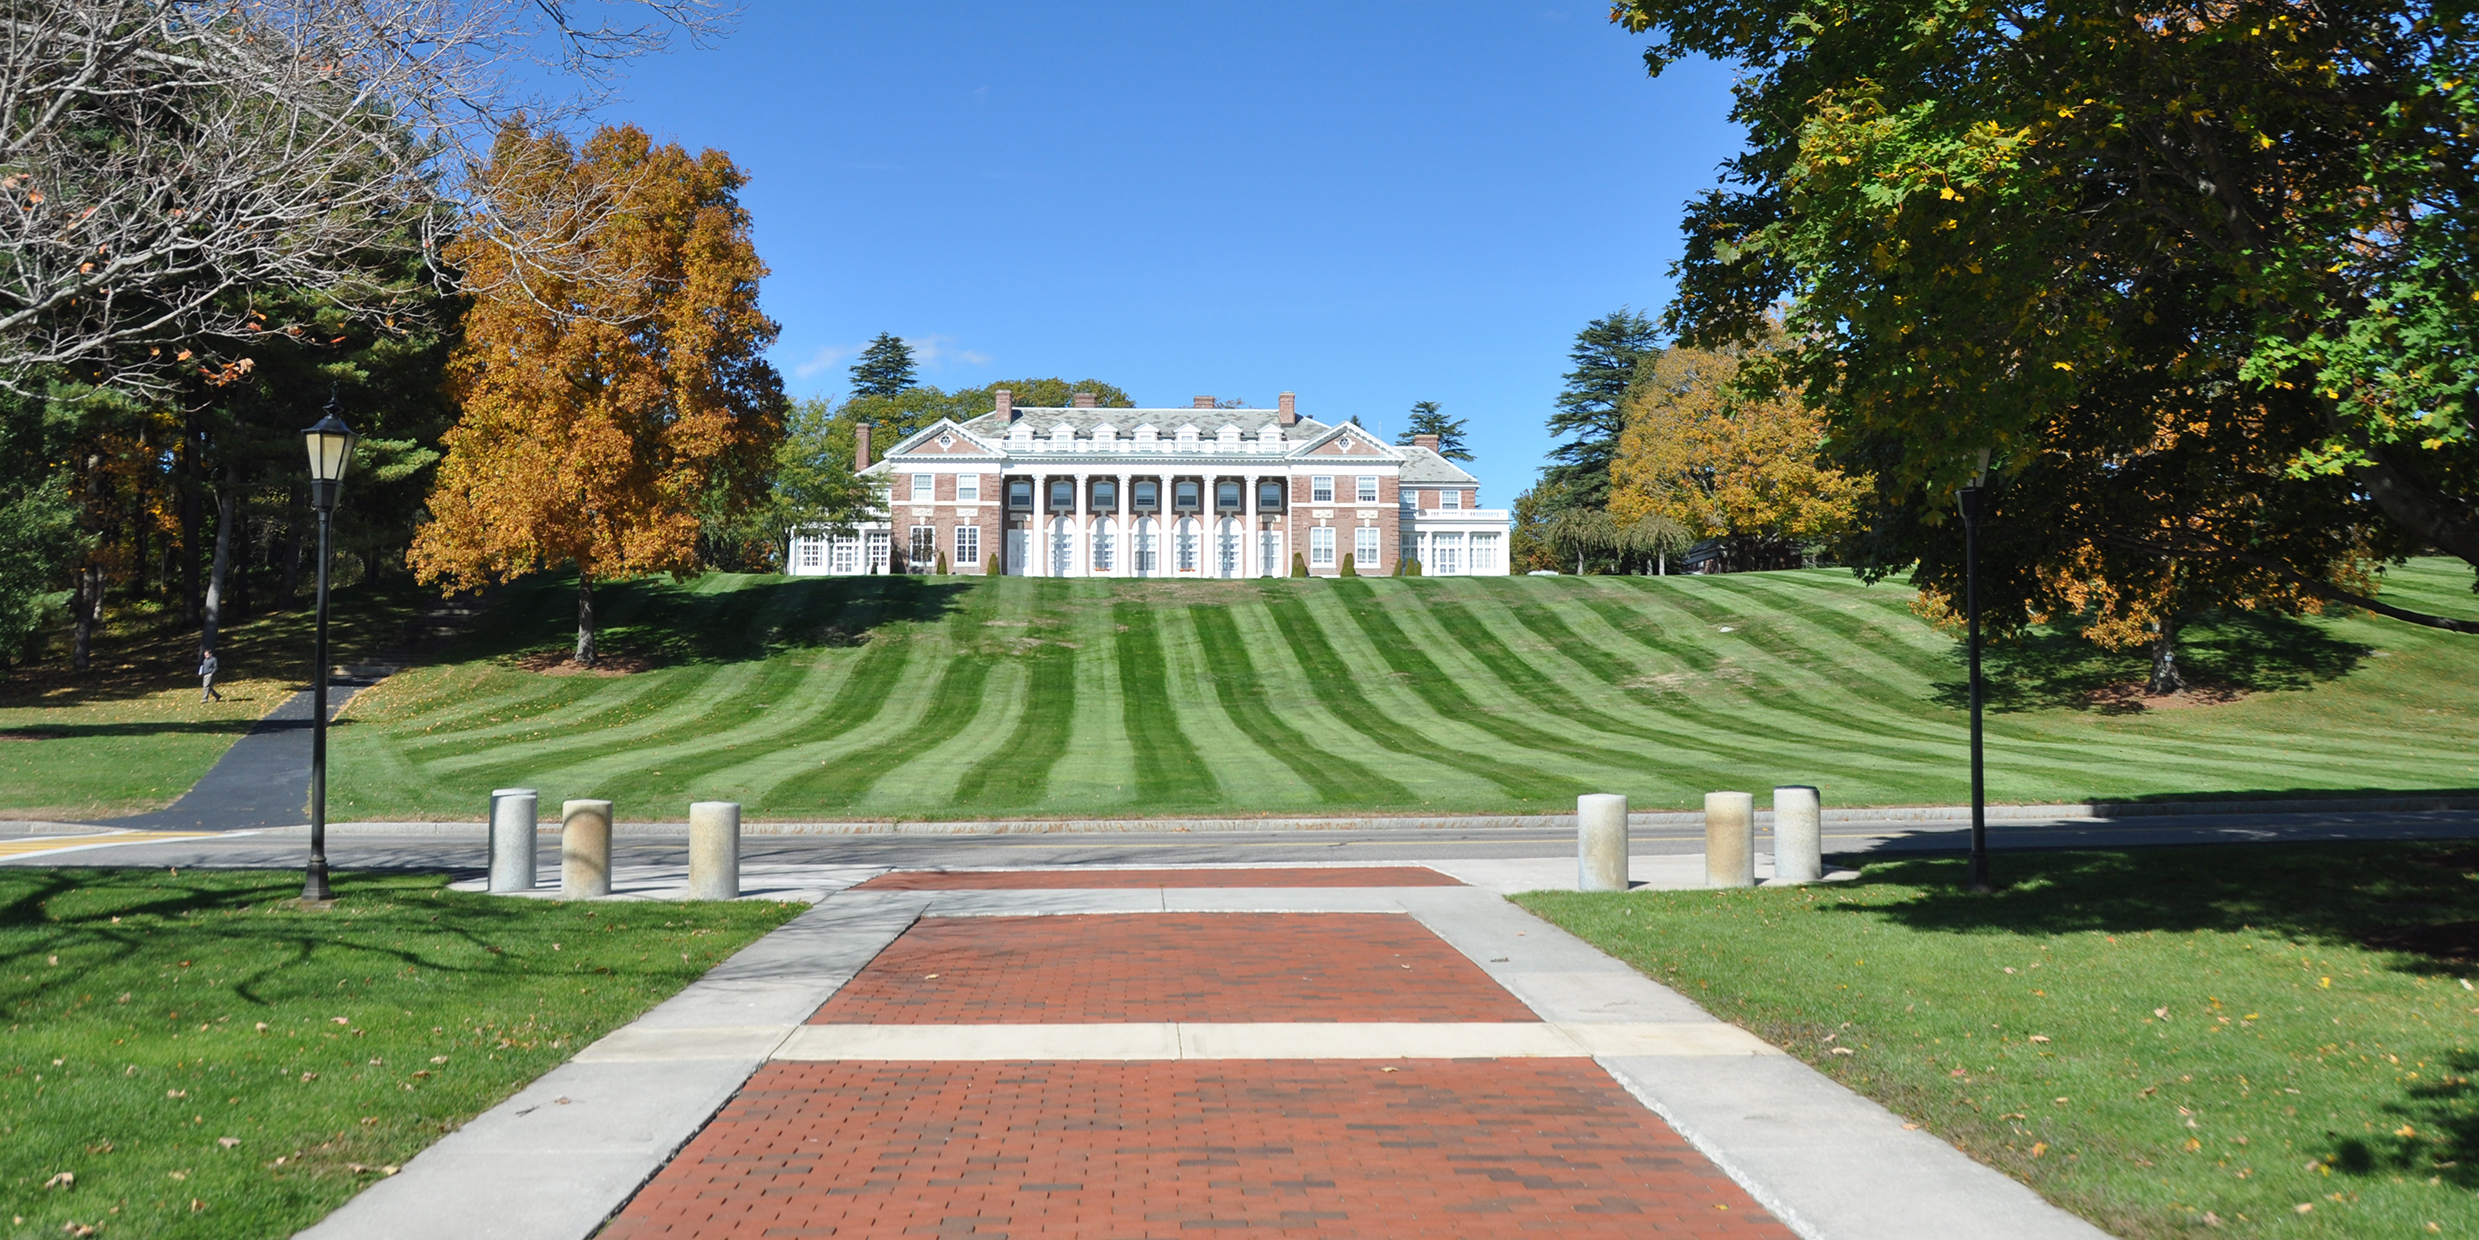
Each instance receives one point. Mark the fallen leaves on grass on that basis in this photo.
(65, 1179)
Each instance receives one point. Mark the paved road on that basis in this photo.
(262, 781)
(462, 848)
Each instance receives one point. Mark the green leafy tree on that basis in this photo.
(2200, 279)
(885, 369)
(1606, 354)
(1426, 420)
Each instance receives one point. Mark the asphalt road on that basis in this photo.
(463, 849)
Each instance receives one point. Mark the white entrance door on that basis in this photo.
(1016, 550)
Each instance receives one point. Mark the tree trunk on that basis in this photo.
(87, 599)
(227, 506)
(291, 580)
(189, 526)
(2165, 679)
(585, 620)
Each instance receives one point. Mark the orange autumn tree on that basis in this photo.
(1717, 443)
(613, 387)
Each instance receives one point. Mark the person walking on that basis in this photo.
(207, 666)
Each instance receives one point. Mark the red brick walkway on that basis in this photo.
(1089, 880)
(1547, 1147)
(1102, 968)
(1331, 1148)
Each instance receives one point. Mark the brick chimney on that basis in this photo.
(860, 446)
(1425, 441)
(1201, 402)
(1085, 400)
(1006, 405)
(1287, 409)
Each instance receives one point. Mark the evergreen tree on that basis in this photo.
(885, 368)
(1605, 355)
(1426, 420)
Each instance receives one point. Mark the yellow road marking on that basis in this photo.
(62, 843)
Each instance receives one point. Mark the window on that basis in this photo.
(1106, 495)
(1450, 498)
(812, 553)
(1062, 546)
(1187, 495)
(1321, 547)
(1062, 495)
(1227, 496)
(1321, 489)
(1184, 544)
(1147, 496)
(1226, 548)
(968, 488)
(1147, 532)
(1187, 439)
(924, 550)
(967, 544)
(1102, 544)
(924, 488)
(1269, 497)
(845, 557)
(1366, 493)
(1447, 550)
(880, 543)
(1484, 554)
(1270, 554)
(1019, 495)
(1364, 548)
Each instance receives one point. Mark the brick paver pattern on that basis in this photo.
(1090, 880)
(1486, 1148)
(1109, 968)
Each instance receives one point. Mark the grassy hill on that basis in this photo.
(967, 697)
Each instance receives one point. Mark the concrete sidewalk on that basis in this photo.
(789, 1091)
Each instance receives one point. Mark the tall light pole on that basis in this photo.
(1968, 498)
(331, 450)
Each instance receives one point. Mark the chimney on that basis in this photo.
(1006, 405)
(860, 446)
(1202, 402)
(1287, 409)
(1084, 400)
(1425, 441)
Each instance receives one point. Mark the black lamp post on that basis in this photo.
(1968, 498)
(331, 450)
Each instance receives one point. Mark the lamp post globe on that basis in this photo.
(330, 444)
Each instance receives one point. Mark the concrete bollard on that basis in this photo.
(714, 850)
(1729, 839)
(1600, 842)
(513, 811)
(585, 850)
(1798, 835)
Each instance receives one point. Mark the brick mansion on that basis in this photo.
(1087, 491)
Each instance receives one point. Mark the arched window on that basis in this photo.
(1062, 546)
(1270, 561)
(1226, 548)
(1184, 545)
(1148, 546)
(1105, 545)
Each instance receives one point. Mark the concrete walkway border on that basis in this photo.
(558, 1159)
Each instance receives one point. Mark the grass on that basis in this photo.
(131, 735)
(967, 697)
(208, 1059)
(2173, 1042)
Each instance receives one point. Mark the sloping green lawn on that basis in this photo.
(2275, 1040)
(199, 1056)
(969, 698)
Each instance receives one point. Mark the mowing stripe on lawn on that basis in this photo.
(864, 695)
(1337, 779)
(1445, 696)
(1167, 766)
(1018, 771)
(1330, 678)
(1716, 732)
(1532, 684)
(955, 701)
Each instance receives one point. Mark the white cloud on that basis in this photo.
(825, 359)
(942, 351)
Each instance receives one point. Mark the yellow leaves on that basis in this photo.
(2193, 1145)
(2406, 1131)
(1947, 193)
(2062, 365)
(2264, 140)
(2039, 1148)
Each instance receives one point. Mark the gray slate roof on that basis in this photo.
(1422, 465)
(1208, 422)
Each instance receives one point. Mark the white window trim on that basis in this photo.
(1321, 546)
(1321, 488)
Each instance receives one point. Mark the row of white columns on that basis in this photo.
(1253, 558)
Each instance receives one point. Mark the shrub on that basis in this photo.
(942, 563)
(1299, 565)
(1411, 567)
(1349, 569)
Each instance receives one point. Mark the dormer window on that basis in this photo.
(1228, 440)
(1063, 438)
(1148, 439)
(1105, 437)
(1270, 439)
(1021, 436)
(1187, 439)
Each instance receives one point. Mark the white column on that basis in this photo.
(1037, 545)
(1123, 558)
(1080, 542)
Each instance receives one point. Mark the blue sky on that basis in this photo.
(1367, 203)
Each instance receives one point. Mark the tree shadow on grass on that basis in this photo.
(2227, 653)
(660, 621)
(2414, 901)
